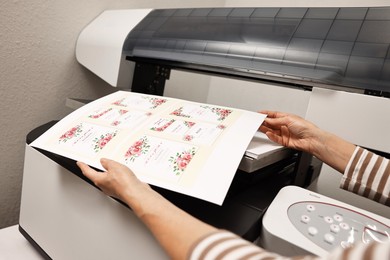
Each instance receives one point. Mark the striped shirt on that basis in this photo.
(366, 174)
(224, 245)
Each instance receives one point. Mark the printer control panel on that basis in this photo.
(301, 222)
(330, 225)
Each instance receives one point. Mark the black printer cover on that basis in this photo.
(346, 47)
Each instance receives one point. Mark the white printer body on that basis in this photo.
(328, 51)
(70, 219)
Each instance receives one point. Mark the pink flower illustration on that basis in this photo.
(122, 111)
(162, 128)
(134, 151)
(157, 101)
(95, 116)
(116, 123)
(188, 137)
(119, 102)
(182, 164)
(181, 160)
(138, 148)
(186, 156)
(73, 132)
(179, 112)
(221, 112)
(189, 124)
(102, 141)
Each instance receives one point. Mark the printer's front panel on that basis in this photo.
(70, 219)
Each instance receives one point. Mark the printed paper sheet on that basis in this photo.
(183, 146)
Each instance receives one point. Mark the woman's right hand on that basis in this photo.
(117, 181)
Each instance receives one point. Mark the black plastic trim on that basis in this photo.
(33, 243)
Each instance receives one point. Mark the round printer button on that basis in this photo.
(334, 228)
(310, 207)
(328, 219)
(329, 238)
(338, 218)
(344, 225)
(305, 218)
(312, 231)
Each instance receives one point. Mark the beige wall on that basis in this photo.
(38, 71)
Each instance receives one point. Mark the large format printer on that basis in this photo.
(340, 54)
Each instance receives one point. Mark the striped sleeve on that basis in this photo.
(224, 245)
(368, 175)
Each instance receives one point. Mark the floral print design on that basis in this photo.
(181, 160)
(162, 128)
(122, 112)
(156, 101)
(138, 148)
(102, 141)
(73, 132)
(189, 124)
(188, 137)
(96, 116)
(117, 122)
(221, 112)
(119, 102)
(179, 112)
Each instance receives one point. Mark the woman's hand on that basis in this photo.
(117, 181)
(295, 132)
(176, 230)
(291, 131)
